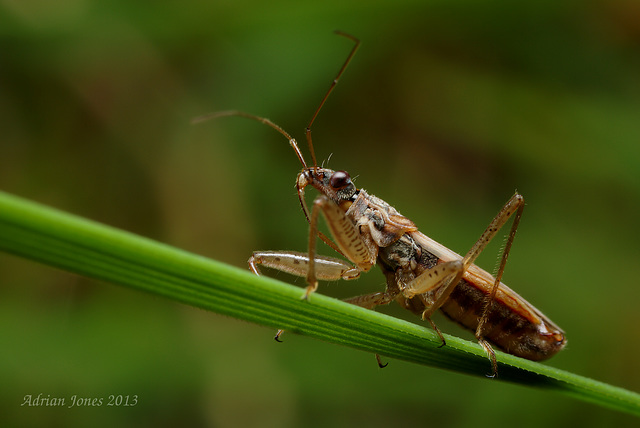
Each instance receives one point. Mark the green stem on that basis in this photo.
(78, 245)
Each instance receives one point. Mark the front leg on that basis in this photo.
(362, 252)
(295, 263)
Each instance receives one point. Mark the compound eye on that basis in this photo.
(340, 179)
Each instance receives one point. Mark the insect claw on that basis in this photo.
(492, 375)
(310, 289)
(277, 336)
(380, 364)
(492, 357)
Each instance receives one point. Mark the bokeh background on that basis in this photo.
(448, 107)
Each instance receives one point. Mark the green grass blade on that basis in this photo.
(78, 245)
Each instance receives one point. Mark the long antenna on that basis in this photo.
(324, 99)
(292, 141)
(264, 120)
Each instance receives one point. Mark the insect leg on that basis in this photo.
(515, 205)
(439, 275)
(431, 279)
(370, 301)
(367, 301)
(359, 251)
(295, 263)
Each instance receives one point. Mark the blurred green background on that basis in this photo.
(448, 107)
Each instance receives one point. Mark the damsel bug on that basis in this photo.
(422, 275)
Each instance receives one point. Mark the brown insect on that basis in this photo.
(422, 275)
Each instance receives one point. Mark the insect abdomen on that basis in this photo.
(505, 328)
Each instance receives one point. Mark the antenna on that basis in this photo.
(333, 84)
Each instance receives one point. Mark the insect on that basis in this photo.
(421, 274)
